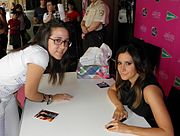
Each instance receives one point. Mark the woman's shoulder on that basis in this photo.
(150, 80)
(151, 83)
(36, 54)
(35, 49)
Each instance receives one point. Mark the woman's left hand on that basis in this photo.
(116, 126)
(61, 97)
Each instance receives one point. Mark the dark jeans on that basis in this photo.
(75, 37)
(94, 38)
(25, 37)
(15, 40)
(3, 44)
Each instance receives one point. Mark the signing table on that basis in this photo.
(84, 115)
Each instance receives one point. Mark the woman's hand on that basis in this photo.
(61, 97)
(84, 29)
(116, 126)
(120, 114)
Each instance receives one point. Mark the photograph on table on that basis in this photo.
(46, 115)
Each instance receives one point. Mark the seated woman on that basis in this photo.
(136, 87)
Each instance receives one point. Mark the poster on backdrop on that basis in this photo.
(153, 24)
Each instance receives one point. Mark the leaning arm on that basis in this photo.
(33, 77)
(113, 96)
(154, 97)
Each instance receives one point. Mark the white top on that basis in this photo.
(56, 16)
(86, 114)
(13, 67)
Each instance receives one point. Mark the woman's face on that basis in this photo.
(43, 2)
(50, 7)
(58, 42)
(126, 67)
(70, 7)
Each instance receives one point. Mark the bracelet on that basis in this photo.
(44, 98)
(50, 99)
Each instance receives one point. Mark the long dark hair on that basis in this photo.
(142, 67)
(19, 9)
(56, 68)
(3, 23)
(3, 11)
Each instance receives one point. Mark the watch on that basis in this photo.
(50, 99)
(44, 98)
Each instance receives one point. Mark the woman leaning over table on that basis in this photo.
(136, 87)
(26, 66)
